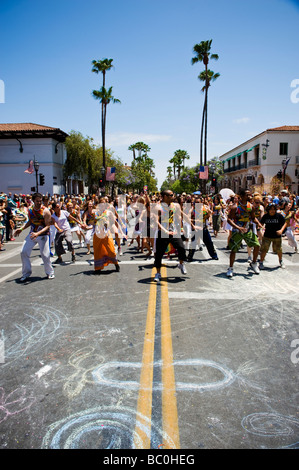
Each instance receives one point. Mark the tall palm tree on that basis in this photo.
(180, 156)
(102, 66)
(207, 76)
(105, 97)
(141, 148)
(174, 162)
(169, 172)
(203, 54)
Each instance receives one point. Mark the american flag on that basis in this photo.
(110, 174)
(203, 172)
(285, 164)
(30, 168)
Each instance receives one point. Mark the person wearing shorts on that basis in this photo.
(240, 218)
(275, 224)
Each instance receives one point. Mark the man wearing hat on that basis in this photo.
(284, 196)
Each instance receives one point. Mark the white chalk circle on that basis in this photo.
(270, 424)
(101, 375)
(103, 428)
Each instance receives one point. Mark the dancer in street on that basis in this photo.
(39, 221)
(240, 217)
(103, 238)
(275, 224)
(61, 221)
(168, 223)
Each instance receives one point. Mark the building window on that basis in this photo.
(283, 148)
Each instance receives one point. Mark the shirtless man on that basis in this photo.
(240, 216)
(39, 222)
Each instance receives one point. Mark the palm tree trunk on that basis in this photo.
(206, 126)
(201, 132)
(103, 135)
(206, 113)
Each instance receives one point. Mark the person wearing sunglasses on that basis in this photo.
(168, 222)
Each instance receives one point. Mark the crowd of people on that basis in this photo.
(158, 224)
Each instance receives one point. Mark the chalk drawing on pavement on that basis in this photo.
(37, 326)
(102, 428)
(272, 425)
(227, 376)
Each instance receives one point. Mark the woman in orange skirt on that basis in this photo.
(103, 243)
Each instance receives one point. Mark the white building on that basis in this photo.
(254, 164)
(21, 143)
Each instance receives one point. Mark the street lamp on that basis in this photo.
(36, 167)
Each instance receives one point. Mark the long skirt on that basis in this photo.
(104, 252)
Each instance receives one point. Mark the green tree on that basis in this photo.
(141, 148)
(86, 159)
(142, 168)
(79, 154)
(178, 161)
(143, 174)
(203, 54)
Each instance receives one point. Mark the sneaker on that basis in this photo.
(120, 252)
(73, 258)
(117, 267)
(182, 267)
(24, 278)
(215, 257)
(282, 265)
(261, 265)
(230, 272)
(82, 244)
(249, 259)
(157, 277)
(255, 267)
(58, 261)
(51, 276)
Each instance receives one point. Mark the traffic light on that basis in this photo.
(41, 179)
(101, 183)
(214, 182)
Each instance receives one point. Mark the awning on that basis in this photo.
(239, 154)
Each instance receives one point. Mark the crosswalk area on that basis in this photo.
(10, 259)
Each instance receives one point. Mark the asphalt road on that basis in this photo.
(115, 361)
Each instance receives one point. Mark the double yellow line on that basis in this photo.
(145, 403)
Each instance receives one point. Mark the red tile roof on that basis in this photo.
(26, 126)
(284, 128)
(28, 129)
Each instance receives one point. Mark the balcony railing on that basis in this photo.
(255, 162)
(243, 166)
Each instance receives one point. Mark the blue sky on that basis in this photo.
(47, 49)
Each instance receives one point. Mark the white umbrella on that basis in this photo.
(226, 193)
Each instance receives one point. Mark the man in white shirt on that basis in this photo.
(61, 222)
